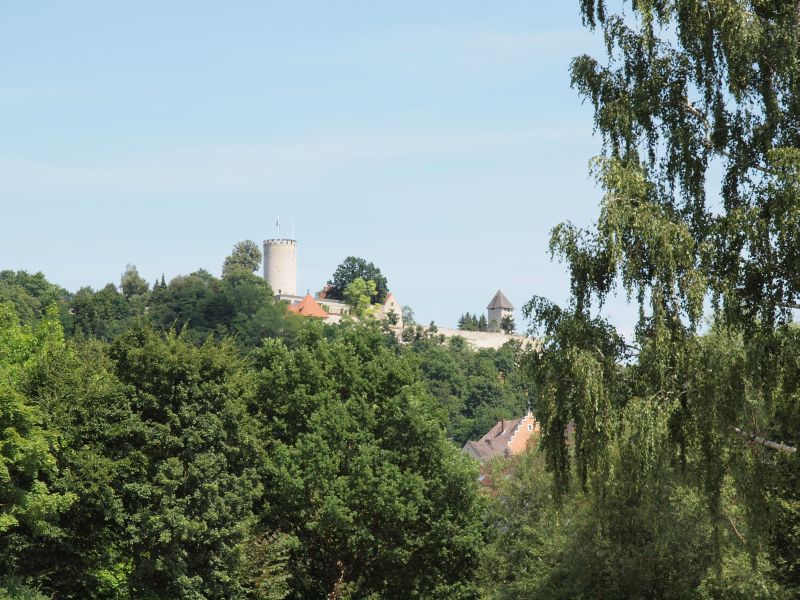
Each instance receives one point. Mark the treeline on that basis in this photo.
(239, 304)
(470, 322)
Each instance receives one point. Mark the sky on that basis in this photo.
(440, 140)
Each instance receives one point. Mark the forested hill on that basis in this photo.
(196, 440)
(474, 389)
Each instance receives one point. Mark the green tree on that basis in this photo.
(264, 565)
(195, 301)
(14, 590)
(85, 407)
(351, 269)
(468, 322)
(245, 257)
(31, 295)
(29, 507)
(190, 496)
(684, 87)
(132, 284)
(361, 472)
(656, 548)
(507, 324)
(358, 295)
(241, 305)
(102, 314)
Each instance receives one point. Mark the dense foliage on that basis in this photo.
(380, 501)
(154, 446)
(684, 439)
(351, 269)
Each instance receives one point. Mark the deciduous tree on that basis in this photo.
(245, 257)
(358, 295)
(132, 284)
(361, 472)
(352, 268)
(687, 90)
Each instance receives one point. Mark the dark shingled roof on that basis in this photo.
(494, 443)
(500, 301)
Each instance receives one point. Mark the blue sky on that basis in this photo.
(440, 140)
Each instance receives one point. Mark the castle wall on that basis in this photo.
(485, 339)
(280, 266)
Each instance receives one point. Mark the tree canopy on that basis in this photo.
(159, 465)
(132, 284)
(687, 90)
(351, 269)
(358, 295)
(245, 258)
(381, 502)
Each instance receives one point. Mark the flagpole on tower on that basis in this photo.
(278, 225)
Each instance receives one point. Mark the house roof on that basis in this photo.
(308, 307)
(495, 442)
(500, 301)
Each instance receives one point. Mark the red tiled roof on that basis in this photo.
(308, 307)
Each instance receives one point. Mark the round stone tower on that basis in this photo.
(280, 266)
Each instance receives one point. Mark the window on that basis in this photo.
(530, 426)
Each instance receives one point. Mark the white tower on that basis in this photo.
(498, 308)
(280, 266)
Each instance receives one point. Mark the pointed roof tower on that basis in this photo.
(500, 301)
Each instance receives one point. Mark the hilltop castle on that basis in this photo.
(280, 272)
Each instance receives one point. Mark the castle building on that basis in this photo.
(280, 272)
(499, 307)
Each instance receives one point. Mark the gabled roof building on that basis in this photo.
(505, 439)
(308, 307)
